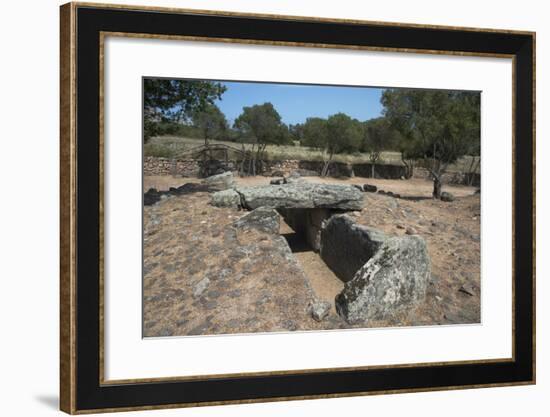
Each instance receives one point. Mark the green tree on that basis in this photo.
(264, 125)
(440, 126)
(285, 135)
(174, 101)
(339, 133)
(469, 110)
(378, 136)
(315, 133)
(343, 135)
(211, 122)
(475, 161)
(410, 152)
(296, 132)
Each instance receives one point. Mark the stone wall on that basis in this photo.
(341, 169)
(285, 166)
(385, 171)
(166, 166)
(336, 169)
(458, 178)
(192, 168)
(185, 167)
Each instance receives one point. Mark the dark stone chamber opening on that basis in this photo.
(307, 224)
(343, 245)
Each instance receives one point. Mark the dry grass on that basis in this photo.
(173, 146)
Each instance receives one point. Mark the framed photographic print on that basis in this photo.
(265, 208)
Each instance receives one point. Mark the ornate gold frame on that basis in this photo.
(68, 193)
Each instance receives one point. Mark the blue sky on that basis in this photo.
(295, 103)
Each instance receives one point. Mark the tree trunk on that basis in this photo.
(473, 169)
(243, 156)
(260, 157)
(259, 162)
(437, 187)
(372, 170)
(471, 166)
(255, 161)
(324, 171)
(204, 169)
(409, 167)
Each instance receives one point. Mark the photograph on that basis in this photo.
(282, 207)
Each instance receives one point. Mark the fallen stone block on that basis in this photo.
(293, 178)
(447, 197)
(201, 287)
(263, 218)
(220, 182)
(319, 309)
(151, 197)
(226, 198)
(189, 188)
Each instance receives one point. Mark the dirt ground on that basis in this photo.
(187, 240)
(203, 276)
(324, 282)
(414, 187)
(452, 233)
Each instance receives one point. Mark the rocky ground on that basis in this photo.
(204, 275)
(452, 233)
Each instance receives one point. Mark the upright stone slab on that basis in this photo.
(346, 246)
(393, 280)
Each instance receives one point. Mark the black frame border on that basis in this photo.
(90, 395)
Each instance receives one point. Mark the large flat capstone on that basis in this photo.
(393, 280)
(302, 195)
